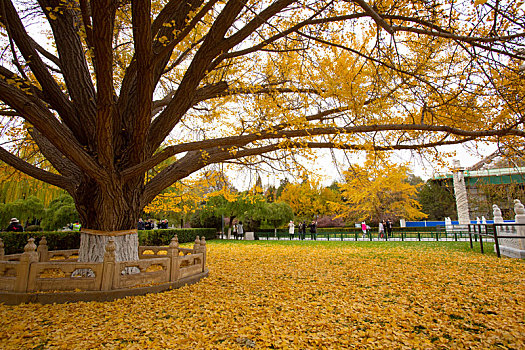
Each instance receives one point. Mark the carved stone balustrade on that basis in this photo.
(43, 276)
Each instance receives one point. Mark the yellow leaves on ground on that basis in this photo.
(329, 295)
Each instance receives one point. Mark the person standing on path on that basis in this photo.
(240, 230)
(313, 230)
(389, 226)
(363, 228)
(291, 229)
(234, 231)
(381, 231)
(302, 230)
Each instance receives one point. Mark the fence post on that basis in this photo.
(22, 272)
(470, 237)
(203, 251)
(519, 219)
(196, 245)
(108, 266)
(173, 253)
(498, 219)
(481, 244)
(43, 250)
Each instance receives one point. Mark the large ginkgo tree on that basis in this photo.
(122, 86)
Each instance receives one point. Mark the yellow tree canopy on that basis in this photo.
(308, 199)
(122, 86)
(376, 192)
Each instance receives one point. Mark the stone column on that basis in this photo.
(460, 190)
(500, 230)
(519, 209)
(196, 245)
(22, 271)
(173, 253)
(43, 250)
(514, 247)
(2, 250)
(498, 219)
(203, 251)
(109, 266)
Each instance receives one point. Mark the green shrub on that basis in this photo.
(60, 213)
(338, 229)
(33, 228)
(163, 237)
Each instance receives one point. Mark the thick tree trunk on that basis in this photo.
(108, 212)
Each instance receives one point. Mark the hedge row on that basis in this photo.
(14, 242)
(163, 237)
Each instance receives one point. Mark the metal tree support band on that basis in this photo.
(108, 233)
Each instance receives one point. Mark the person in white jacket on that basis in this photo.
(291, 229)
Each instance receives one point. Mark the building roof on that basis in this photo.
(494, 176)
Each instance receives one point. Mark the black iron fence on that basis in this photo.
(355, 234)
(494, 233)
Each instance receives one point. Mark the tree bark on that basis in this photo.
(92, 247)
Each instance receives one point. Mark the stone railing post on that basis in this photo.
(203, 251)
(2, 250)
(43, 250)
(173, 253)
(498, 218)
(108, 269)
(22, 272)
(196, 246)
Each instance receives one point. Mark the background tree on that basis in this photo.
(60, 213)
(180, 200)
(437, 201)
(276, 214)
(206, 217)
(309, 200)
(375, 192)
(282, 185)
(28, 211)
(15, 185)
(126, 85)
(503, 195)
